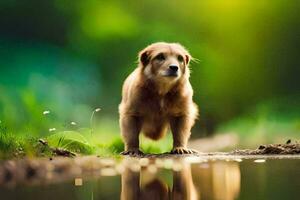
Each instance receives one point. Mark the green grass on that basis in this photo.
(19, 146)
(104, 142)
(72, 141)
(268, 122)
(8, 143)
(150, 146)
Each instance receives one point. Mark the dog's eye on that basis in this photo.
(160, 57)
(180, 58)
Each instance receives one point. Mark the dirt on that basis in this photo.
(288, 148)
(57, 151)
(265, 149)
(274, 149)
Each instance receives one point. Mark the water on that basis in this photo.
(171, 179)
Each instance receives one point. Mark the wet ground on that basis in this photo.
(205, 176)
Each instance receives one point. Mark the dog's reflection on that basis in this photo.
(151, 187)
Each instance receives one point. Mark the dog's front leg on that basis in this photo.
(130, 129)
(181, 130)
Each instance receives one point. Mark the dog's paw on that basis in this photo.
(182, 150)
(135, 152)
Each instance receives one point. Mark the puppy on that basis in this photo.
(146, 185)
(158, 95)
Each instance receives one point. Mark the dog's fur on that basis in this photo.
(146, 185)
(155, 96)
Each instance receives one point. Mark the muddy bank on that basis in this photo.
(58, 169)
(263, 150)
(206, 145)
(271, 149)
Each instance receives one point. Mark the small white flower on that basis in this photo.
(97, 109)
(52, 129)
(73, 123)
(46, 112)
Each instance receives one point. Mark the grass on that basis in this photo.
(18, 146)
(85, 143)
(104, 141)
(268, 122)
(8, 143)
(77, 142)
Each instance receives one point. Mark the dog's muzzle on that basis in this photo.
(173, 70)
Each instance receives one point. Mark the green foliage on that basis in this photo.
(12, 145)
(275, 120)
(8, 143)
(116, 145)
(160, 146)
(72, 141)
(248, 53)
(81, 142)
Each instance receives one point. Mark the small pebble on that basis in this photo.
(177, 166)
(168, 163)
(107, 162)
(120, 168)
(108, 172)
(144, 162)
(152, 168)
(259, 160)
(159, 163)
(135, 167)
(78, 182)
(193, 159)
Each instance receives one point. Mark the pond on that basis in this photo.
(154, 178)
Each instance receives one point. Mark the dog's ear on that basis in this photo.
(187, 59)
(144, 57)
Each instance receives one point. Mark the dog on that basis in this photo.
(146, 185)
(156, 96)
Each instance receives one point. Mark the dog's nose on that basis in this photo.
(174, 68)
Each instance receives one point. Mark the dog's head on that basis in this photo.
(165, 62)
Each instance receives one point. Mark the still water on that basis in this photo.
(169, 179)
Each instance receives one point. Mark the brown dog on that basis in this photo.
(156, 95)
(146, 185)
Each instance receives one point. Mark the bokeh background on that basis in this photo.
(71, 57)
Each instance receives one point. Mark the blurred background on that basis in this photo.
(71, 57)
